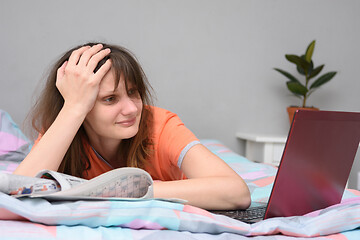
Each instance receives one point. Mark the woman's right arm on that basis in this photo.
(79, 86)
(51, 148)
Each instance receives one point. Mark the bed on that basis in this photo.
(154, 219)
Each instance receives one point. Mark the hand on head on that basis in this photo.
(76, 80)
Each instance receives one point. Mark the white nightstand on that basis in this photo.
(263, 148)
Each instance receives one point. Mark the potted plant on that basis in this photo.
(305, 67)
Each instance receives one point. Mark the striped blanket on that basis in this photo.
(154, 219)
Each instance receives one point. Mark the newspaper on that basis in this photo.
(118, 184)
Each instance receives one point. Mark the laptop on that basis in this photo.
(314, 168)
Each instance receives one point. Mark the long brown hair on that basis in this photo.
(134, 150)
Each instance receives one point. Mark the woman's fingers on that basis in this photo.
(96, 58)
(87, 58)
(103, 70)
(76, 54)
(88, 54)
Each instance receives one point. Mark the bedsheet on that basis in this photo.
(153, 219)
(14, 145)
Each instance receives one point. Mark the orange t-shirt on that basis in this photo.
(171, 140)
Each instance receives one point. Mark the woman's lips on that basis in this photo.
(127, 123)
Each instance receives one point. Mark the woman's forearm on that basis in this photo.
(212, 193)
(51, 148)
(79, 86)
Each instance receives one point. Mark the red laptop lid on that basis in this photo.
(316, 162)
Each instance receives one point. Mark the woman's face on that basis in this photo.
(116, 114)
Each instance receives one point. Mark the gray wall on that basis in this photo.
(209, 61)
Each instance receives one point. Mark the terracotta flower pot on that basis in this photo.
(291, 111)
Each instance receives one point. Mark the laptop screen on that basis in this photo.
(316, 162)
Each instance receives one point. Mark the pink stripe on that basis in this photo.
(265, 181)
(9, 142)
(253, 175)
(7, 215)
(197, 211)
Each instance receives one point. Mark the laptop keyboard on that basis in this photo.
(251, 214)
(245, 215)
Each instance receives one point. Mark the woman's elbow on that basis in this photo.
(240, 196)
(245, 200)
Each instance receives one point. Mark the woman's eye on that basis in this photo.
(132, 92)
(110, 99)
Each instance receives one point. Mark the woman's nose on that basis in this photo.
(128, 106)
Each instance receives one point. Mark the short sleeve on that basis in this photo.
(175, 140)
(172, 139)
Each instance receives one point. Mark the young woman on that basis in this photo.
(95, 114)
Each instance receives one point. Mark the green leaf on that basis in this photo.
(323, 79)
(288, 75)
(309, 51)
(301, 71)
(297, 88)
(299, 61)
(316, 71)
